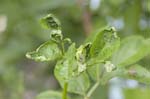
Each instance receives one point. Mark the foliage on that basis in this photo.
(105, 54)
(49, 95)
(18, 76)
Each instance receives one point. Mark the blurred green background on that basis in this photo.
(20, 32)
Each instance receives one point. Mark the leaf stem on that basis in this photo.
(64, 96)
(92, 89)
(63, 48)
(95, 85)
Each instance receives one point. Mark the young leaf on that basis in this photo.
(49, 95)
(82, 55)
(105, 44)
(132, 49)
(67, 40)
(50, 22)
(64, 72)
(56, 37)
(46, 52)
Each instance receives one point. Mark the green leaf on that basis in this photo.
(132, 49)
(66, 66)
(79, 84)
(49, 95)
(64, 72)
(106, 42)
(138, 73)
(56, 37)
(135, 72)
(67, 40)
(136, 93)
(46, 52)
(50, 22)
(109, 75)
(103, 72)
(95, 71)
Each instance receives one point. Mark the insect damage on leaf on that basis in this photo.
(52, 23)
(74, 63)
(81, 56)
(56, 37)
(46, 52)
(105, 44)
(109, 37)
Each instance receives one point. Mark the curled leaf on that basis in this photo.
(106, 42)
(67, 40)
(50, 22)
(56, 37)
(46, 52)
(82, 56)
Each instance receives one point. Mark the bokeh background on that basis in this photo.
(20, 32)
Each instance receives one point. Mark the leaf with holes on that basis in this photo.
(106, 42)
(50, 22)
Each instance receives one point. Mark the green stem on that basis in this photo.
(95, 85)
(63, 48)
(92, 90)
(96, 62)
(65, 91)
(64, 94)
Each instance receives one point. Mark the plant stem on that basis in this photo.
(63, 48)
(64, 94)
(95, 85)
(92, 89)
(65, 91)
